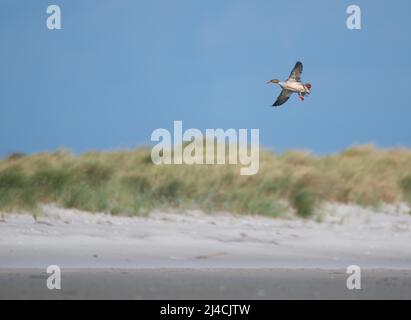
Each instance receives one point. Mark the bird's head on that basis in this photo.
(273, 81)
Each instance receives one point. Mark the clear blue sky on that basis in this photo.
(120, 69)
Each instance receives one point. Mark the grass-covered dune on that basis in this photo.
(127, 182)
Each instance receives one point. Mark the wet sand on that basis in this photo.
(204, 284)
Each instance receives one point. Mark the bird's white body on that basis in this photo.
(294, 86)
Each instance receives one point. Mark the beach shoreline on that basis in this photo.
(178, 253)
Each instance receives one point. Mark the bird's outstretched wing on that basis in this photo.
(282, 98)
(297, 71)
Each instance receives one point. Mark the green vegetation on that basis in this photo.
(129, 183)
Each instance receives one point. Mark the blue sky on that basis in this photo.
(120, 69)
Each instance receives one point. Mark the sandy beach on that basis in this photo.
(197, 255)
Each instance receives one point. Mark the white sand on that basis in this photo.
(72, 239)
(207, 256)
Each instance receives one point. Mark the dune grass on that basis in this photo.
(127, 182)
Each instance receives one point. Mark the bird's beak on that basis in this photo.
(269, 81)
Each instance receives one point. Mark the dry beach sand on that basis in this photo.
(196, 255)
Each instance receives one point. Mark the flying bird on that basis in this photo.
(292, 85)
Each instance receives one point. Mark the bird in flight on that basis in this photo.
(292, 85)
